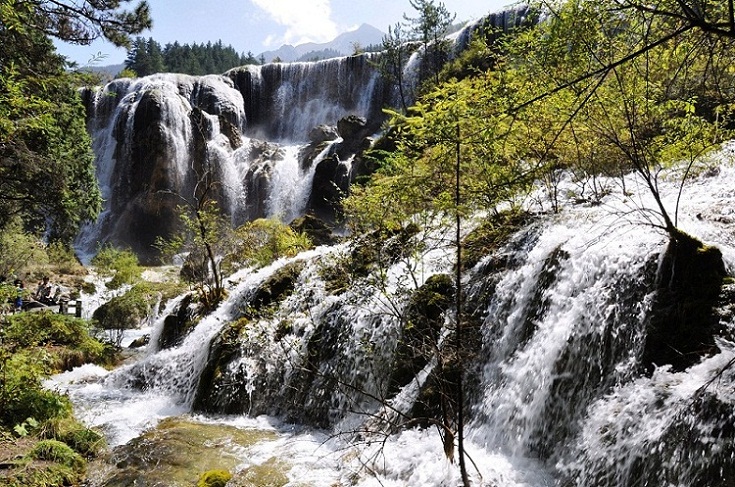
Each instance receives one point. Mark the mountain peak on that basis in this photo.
(342, 45)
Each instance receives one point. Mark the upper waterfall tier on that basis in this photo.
(257, 132)
(286, 101)
(158, 138)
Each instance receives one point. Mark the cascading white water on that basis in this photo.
(158, 137)
(559, 395)
(284, 101)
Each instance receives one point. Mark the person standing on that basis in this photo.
(20, 288)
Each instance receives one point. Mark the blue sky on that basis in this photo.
(260, 25)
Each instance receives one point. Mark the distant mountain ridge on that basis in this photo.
(343, 44)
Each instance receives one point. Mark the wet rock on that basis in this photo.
(319, 232)
(682, 324)
(352, 128)
(178, 325)
(419, 341)
(323, 133)
(177, 451)
(223, 388)
(140, 342)
(277, 287)
(330, 185)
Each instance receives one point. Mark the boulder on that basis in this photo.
(683, 322)
(323, 133)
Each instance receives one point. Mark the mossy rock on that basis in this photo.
(318, 232)
(275, 289)
(214, 478)
(178, 450)
(211, 396)
(85, 441)
(140, 342)
(134, 307)
(683, 323)
(385, 247)
(58, 452)
(423, 324)
(269, 474)
(176, 326)
(490, 235)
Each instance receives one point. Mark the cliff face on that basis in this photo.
(279, 140)
(250, 130)
(152, 138)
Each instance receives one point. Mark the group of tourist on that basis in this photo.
(44, 295)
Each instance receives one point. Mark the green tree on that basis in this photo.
(648, 93)
(206, 235)
(46, 171)
(46, 164)
(80, 21)
(395, 53)
(430, 27)
(145, 57)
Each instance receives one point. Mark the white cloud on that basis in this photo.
(305, 20)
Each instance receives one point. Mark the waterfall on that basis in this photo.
(250, 130)
(319, 345)
(284, 101)
(557, 394)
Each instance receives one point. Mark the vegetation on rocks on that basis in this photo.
(41, 444)
(135, 307)
(118, 266)
(181, 453)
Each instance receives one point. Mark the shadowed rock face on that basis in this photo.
(156, 137)
(152, 138)
(286, 101)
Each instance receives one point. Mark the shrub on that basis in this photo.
(26, 330)
(58, 452)
(19, 250)
(260, 242)
(85, 441)
(121, 266)
(63, 258)
(132, 308)
(21, 393)
(35, 345)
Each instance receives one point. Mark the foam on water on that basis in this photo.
(558, 394)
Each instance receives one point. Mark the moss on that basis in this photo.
(214, 478)
(43, 474)
(490, 235)
(132, 308)
(58, 452)
(275, 289)
(85, 441)
(423, 324)
(88, 287)
(268, 474)
(318, 232)
(378, 248)
(284, 327)
(682, 324)
(178, 450)
(224, 349)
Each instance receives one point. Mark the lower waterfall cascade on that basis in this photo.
(557, 391)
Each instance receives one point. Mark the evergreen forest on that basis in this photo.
(146, 56)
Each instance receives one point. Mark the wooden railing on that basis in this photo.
(72, 307)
